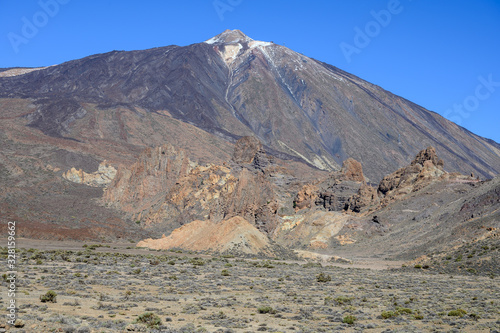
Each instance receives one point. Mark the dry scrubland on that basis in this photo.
(159, 291)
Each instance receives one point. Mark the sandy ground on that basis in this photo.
(107, 289)
(129, 248)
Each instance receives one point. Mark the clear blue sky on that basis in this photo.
(443, 55)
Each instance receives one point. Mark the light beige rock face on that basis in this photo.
(101, 178)
(234, 235)
(325, 258)
(315, 230)
(234, 206)
(306, 197)
(19, 71)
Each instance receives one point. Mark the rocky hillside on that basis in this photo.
(244, 137)
(233, 86)
(164, 189)
(250, 204)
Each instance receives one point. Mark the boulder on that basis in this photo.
(352, 170)
(245, 149)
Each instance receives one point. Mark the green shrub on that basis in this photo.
(418, 316)
(267, 264)
(197, 261)
(149, 319)
(404, 311)
(341, 300)
(388, 314)
(266, 309)
(225, 272)
(321, 277)
(474, 316)
(418, 266)
(50, 296)
(349, 319)
(312, 265)
(457, 313)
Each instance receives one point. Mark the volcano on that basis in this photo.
(232, 86)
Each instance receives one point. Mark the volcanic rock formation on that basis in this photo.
(333, 192)
(164, 189)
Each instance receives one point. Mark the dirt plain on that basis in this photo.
(107, 287)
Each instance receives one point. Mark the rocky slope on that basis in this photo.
(416, 209)
(237, 135)
(438, 216)
(164, 189)
(233, 86)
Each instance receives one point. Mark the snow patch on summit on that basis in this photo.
(257, 43)
(233, 43)
(229, 37)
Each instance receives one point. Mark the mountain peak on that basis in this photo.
(229, 37)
